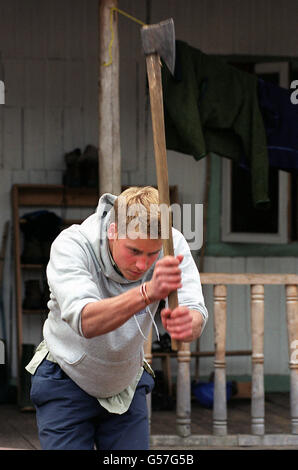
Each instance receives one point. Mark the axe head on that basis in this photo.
(160, 39)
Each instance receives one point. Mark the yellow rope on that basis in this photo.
(106, 64)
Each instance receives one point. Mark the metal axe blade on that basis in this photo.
(160, 39)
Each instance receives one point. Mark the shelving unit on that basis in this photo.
(45, 197)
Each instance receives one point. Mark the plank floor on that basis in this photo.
(277, 417)
(18, 428)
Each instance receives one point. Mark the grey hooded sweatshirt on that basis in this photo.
(81, 270)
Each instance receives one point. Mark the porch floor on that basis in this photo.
(277, 417)
(18, 428)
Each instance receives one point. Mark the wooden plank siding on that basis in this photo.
(49, 55)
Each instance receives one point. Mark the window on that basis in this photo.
(240, 220)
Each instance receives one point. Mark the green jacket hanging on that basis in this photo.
(211, 106)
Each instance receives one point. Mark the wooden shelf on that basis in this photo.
(35, 311)
(174, 354)
(55, 196)
(32, 266)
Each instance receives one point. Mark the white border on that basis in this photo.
(248, 237)
(275, 67)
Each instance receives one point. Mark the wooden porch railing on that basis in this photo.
(220, 281)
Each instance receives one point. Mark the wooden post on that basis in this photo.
(109, 153)
(257, 328)
(18, 285)
(292, 323)
(148, 357)
(183, 399)
(148, 348)
(220, 390)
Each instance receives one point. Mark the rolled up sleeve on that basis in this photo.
(190, 294)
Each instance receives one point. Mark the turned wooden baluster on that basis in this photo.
(220, 395)
(183, 403)
(257, 330)
(292, 323)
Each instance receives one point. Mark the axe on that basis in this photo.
(159, 41)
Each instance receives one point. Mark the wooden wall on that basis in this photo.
(49, 63)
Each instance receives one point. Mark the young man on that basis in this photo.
(106, 278)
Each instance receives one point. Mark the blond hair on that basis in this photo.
(139, 205)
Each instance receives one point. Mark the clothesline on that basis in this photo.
(124, 13)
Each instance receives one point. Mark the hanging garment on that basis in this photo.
(211, 106)
(280, 117)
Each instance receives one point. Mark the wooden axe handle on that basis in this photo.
(157, 114)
